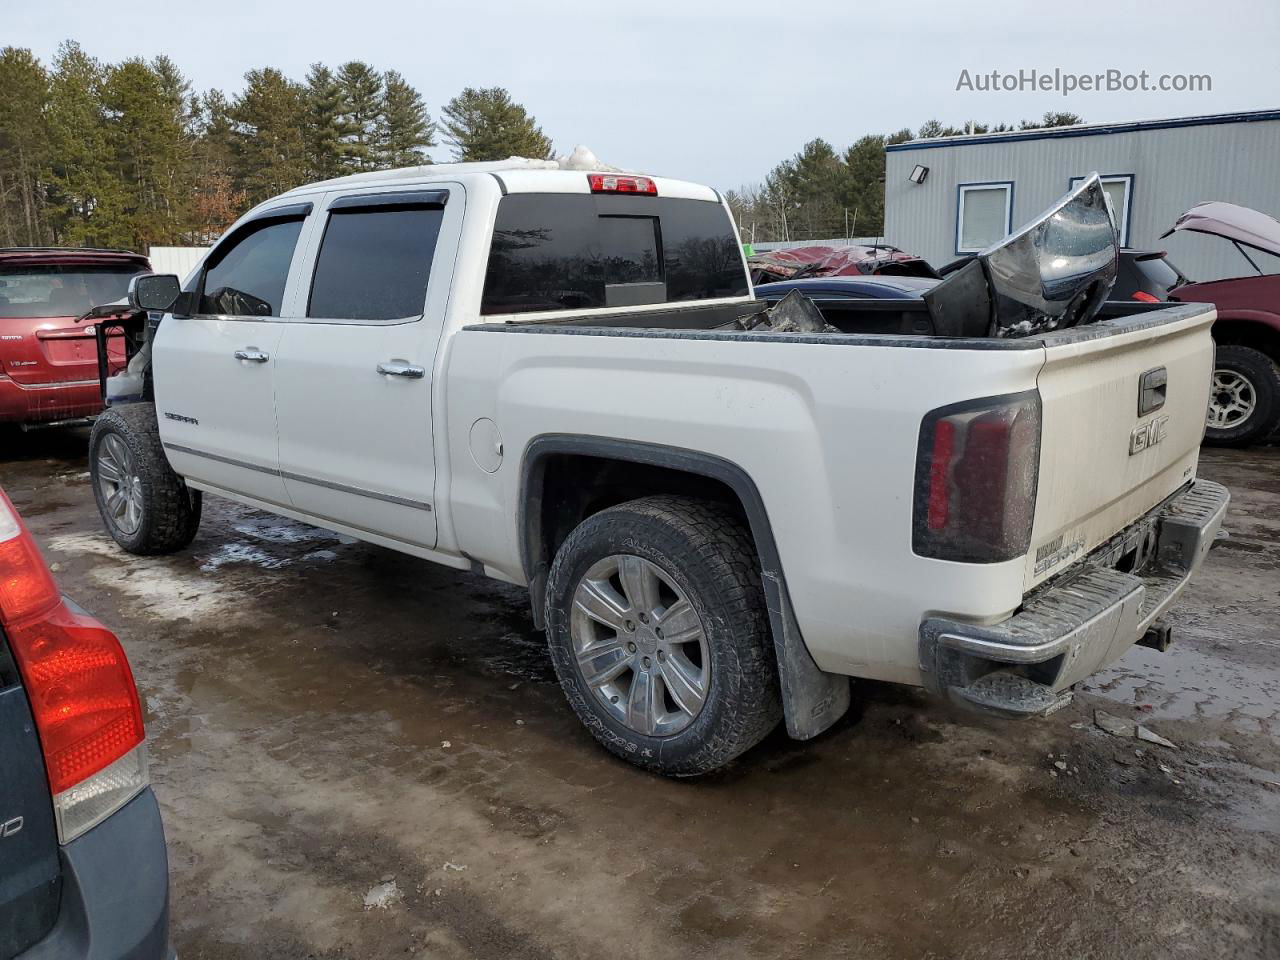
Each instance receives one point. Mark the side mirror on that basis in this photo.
(154, 291)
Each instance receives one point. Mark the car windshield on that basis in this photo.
(50, 290)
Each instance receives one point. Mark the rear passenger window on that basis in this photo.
(374, 263)
(248, 278)
(570, 251)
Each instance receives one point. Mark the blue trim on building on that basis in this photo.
(1008, 211)
(1098, 130)
(1128, 198)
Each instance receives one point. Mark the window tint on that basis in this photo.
(248, 279)
(564, 252)
(374, 263)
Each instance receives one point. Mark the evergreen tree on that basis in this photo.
(324, 123)
(146, 142)
(217, 201)
(269, 117)
(24, 147)
(80, 176)
(404, 126)
(361, 93)
(488, 125)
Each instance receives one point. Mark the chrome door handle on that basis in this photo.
(402, 368)
(252, 354)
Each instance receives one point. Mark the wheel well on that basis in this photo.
(1246, 333)
(562, 487)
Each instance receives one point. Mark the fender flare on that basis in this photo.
(812, 699)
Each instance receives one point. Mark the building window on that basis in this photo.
(984, 215)
(1119, 190)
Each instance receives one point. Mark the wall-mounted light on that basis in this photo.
(918, 174)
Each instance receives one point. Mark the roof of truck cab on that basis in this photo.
(514, 175)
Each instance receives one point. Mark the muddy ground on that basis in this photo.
(363, 755)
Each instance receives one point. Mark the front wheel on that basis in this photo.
(1244, 402)
(660, 637)
(145, 506)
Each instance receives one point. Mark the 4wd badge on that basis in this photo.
(1148, 435)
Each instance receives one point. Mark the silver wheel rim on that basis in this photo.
(1232, 400)
(640, 646)
(119, 484)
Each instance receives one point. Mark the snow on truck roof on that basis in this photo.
(566, 174)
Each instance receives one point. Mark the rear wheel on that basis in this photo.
(658, 630)
(146, 507)
(1244, 402)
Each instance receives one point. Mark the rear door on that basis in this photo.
(215, 369)
(30, 876)
(1123, 416)
(355, 371)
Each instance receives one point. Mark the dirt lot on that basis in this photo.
(363, 755)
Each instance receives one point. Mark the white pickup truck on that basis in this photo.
(561, 379)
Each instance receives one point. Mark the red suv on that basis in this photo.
(48, 362)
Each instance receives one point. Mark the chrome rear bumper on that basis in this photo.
(1080, 621)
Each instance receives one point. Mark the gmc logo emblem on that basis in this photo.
(1148, 435)
(10, 827)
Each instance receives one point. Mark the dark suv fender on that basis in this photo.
(812, 699)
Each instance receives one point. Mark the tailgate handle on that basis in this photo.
(1153, 387)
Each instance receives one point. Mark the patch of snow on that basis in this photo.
(383, 896)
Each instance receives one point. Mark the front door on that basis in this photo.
(215, 369)
(353, 384)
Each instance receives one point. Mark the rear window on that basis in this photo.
(61, 291)
(574, 252)
(1155, 276)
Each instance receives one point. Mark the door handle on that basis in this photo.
(402, 368)
(252, 354)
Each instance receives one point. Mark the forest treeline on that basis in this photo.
(129, 155)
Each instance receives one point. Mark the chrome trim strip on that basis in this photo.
(286, 475)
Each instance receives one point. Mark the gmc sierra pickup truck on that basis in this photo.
(560, 378)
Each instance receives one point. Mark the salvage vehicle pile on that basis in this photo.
(722, 510)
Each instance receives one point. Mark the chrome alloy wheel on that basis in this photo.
(640, 645)
(119, 484)
(1232, 399)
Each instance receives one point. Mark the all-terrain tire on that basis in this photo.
(169, 510)
(1263, 377)
(707, 552)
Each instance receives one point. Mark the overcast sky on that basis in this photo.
(714, 92)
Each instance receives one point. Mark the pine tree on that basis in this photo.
(147, 149)
(270, 116)
(324, 123)
(80, 178)
(361, 90)
(24, 146)
(488, 125)
(404, 126)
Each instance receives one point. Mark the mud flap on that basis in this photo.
(812, 699)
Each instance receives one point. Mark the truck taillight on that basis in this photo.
(1144, 297)
(976, 472)
(79, 685)
(616, 183)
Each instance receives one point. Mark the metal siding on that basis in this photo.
(1173, 168)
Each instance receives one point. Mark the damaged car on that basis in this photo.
(1244, 405)
(722, 510)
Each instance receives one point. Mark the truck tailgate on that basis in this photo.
(1103, 464)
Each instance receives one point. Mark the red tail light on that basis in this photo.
(74, 670)
(616, 183)
(1145, 297)
(976, 479)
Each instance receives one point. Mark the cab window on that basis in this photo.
(248, 278)
(375, 261)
